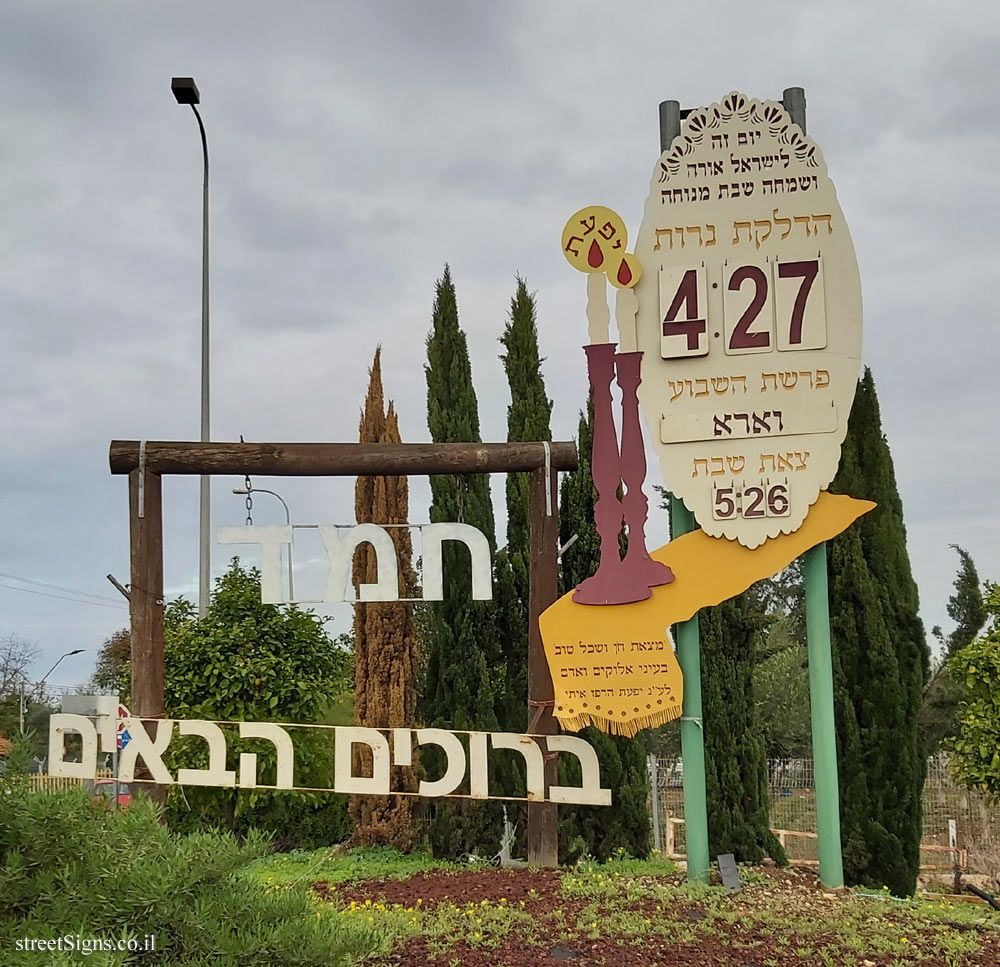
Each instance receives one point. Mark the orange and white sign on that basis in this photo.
(749, 320)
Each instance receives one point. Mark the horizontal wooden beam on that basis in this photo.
(337, 459)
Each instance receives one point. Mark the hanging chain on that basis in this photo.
(249, 489)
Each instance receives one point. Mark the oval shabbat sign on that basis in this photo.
(749, 320)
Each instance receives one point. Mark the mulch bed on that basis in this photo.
(540, 892)
(435, 888)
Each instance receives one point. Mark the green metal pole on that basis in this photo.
(692, 732)
(689, 652)
(824, 736)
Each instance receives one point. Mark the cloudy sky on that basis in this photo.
(358, 146)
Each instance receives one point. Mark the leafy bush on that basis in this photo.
(255, 662)
(298, 820)
(976, 749)
(69, 866)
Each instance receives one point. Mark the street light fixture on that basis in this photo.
(75, 651)
(185, 91)
(244, 491)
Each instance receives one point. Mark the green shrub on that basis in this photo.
(298, 820)
(69, 866)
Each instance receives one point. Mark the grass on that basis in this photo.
(304, 867)
(632, 902)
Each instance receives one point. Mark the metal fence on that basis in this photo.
(961, 827)
(46, 783)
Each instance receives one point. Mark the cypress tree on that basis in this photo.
(731, 637)
(624, 825)
(385, 640)
(735, 759)
(462, 684)
(527, 419)
(881, 663)
(939, 714)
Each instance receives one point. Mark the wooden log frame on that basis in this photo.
(337, 459)
(146, 462)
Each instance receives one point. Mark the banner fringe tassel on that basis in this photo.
(628, 728)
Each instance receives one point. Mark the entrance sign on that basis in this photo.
(340, 543)
(749, 320)
(146, 461)
(462, 764)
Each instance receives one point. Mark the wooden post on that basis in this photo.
(654, 791)
(146, 603)
(543, 818)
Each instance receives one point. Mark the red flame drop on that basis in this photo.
(624, 273)
(595, 256)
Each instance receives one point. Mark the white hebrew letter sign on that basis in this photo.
(465, 773)
(340, 543)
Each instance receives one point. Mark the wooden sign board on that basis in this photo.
(749, 320)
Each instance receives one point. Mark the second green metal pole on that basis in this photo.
(824, 736)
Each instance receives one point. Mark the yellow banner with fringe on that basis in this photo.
(613, 666)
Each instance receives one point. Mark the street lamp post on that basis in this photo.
(75, 651)
(288, 521)
(185, 91)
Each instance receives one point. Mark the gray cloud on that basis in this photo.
(355, 149)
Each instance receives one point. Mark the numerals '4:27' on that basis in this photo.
(765, 306)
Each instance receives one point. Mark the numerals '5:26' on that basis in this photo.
(750, 503)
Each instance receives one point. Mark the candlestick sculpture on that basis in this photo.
(594, 241)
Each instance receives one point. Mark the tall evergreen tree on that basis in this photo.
(462, 683)
(385, 639)
(731, 637)
(881, 663)
(966, 607)
(735, 757)
(598, 830)
(527, 419)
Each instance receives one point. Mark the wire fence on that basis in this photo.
(46, 783)
(961, 827)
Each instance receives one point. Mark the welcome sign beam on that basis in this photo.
(337, 459)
